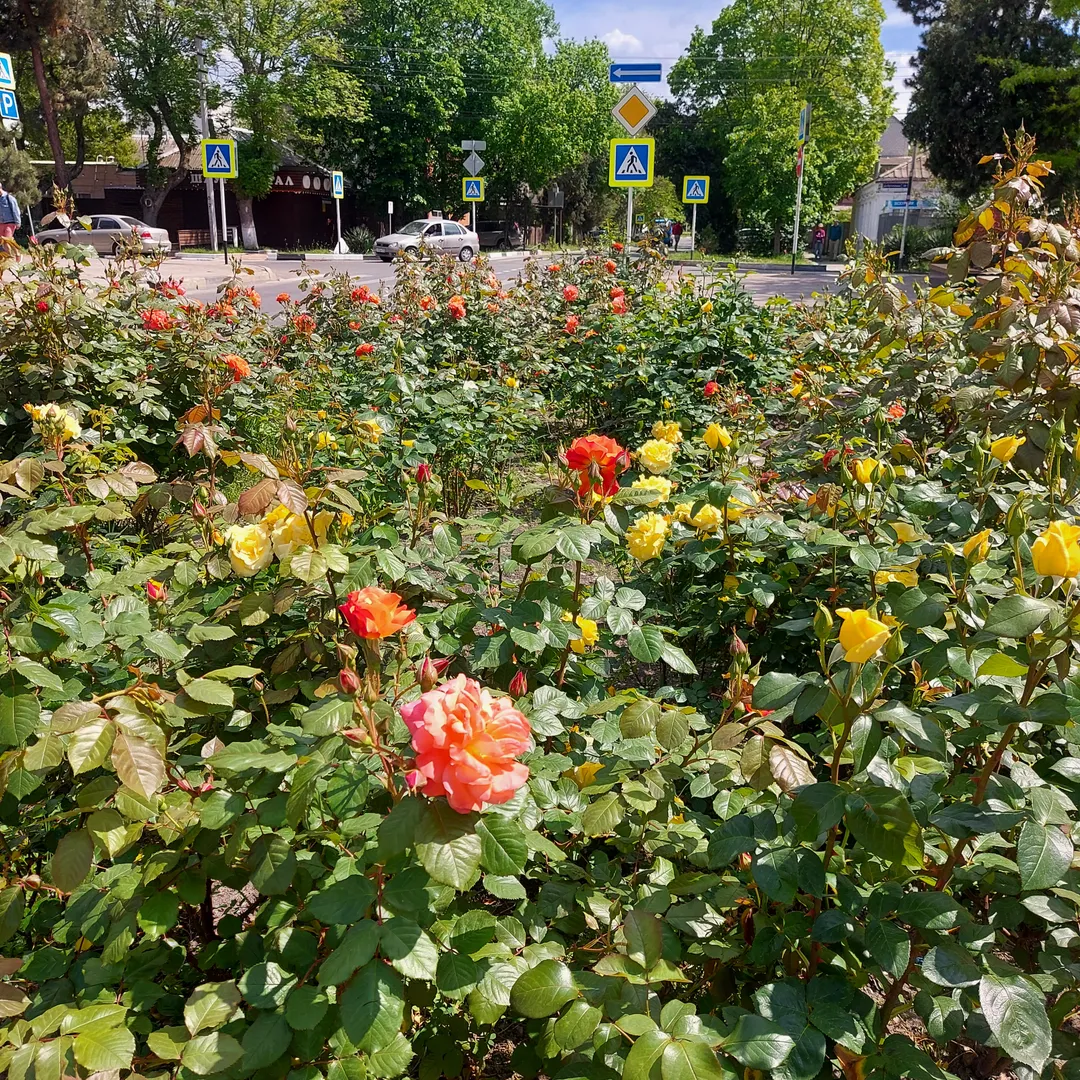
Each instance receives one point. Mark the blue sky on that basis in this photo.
(660, 30)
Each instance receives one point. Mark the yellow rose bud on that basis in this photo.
(861, 635)
(584, 774)
(1056, 552)
(646, 537)
(658, 487)
(706, 307)
(250, 549)
(620, 349)
(717, 436)
(657, 455)
(978, 547)
(510, 381)
(326, 441)
(346, 519)
(864, 469)
(408, 443)
(1004, 449)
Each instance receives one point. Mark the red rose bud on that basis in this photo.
(829, 458)
(738, 646)
(428, 674)
(43, 305)
(358, 736)
(348, 680)
(423, 473)
(207, 786)
(199, 510)
(156, 592)
(441, 664)
(519, 685)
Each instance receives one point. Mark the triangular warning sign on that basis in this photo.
(631, 165)
(218, 161)
(696, 191)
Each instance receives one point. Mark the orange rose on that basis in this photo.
(239, 367)
(456, 307)
(466, 742)
(596, 459)
(374, 613)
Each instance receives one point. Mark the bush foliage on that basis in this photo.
(787, 597)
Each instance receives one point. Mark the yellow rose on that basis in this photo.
(646, 537)
(706, 307)
(708, 519)
(905, 533)
(346, 519)
(511, 382)
(620, 349)
(370, 431)
(862, 635)
(796, 389)
(326, 441)
(731, 582)
(682, 512)
(1056, 552)
(668, 430)
(658, 486)
(864, 469)
(905, 575)
(293, 531)
(321, 414)
(408, 443)
(1004, 449)
(250, 549)
(52, 421)
(715, 436)
(978, 547)
(590, 633)
(657, 455)
(279, 513)
(735, 508)
(584, 774)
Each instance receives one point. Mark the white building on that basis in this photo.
(879, 205)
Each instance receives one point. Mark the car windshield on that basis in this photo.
(414, 228)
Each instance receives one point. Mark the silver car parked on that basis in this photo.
(438, 233)
(108, 233)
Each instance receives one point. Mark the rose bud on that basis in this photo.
(348, 680)
(428, 674)
(414, 779)
(156, 592)
(206, 786)
(357, 735)
(423, 473)
(519, 685)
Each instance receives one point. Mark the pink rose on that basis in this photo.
(466, 742)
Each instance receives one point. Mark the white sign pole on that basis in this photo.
(804, 137)
(629, 219)
(224, 228)
(693, 230)
(204, 123)
(390, 214)
(337, 207)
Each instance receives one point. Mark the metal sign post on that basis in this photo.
(473, 164)
(219, 160)
(693, 229)
(337, 189)
(629, 219)
(224, 228)
(390, 214)
(204, 125)
(907, 205)
(800, 163)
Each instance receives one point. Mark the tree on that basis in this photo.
(746, 80)
(19, 175)
(157, 77)
(68, 72)
(987, 68)
(288, 85)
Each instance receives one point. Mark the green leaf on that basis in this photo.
(644, 938)
(138, 763)
(1043, 854)
(639, 719)
(208, 1054)
(888, 945)
(456, 974)
(919, 730)
(266, 1040)
(38, 674)
(266, 985)
(391, 1060)
(12, 904)
(408, 948)
(373, 1007)
(356, 949)
(882, 820)
(931, 911)
(90, 743)
(757, 1043)
(19, 715)
(950, 965)
(102, 1046)
(210, 692)
(448, 846)
(158, 914)
(72, 861)
(646, 644)
(1017, 1016)
(342, 902)
(168, 1043)
(576, 1025)
(307, 1005)
(690, 1059)
(210, 1005)
(503, 849)
(1002, 665)
(1016, 616)
(543, 990)
(672, 729)
(643, 1060)
(602, 815)
(775, 689)
(272, 864)
(816, 809)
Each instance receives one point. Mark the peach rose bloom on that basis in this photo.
(466, 742)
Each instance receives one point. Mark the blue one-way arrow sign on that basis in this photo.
(635, 73)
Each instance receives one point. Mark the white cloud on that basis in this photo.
(622, 44)
(904, 70)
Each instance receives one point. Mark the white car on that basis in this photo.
(107, 234)
(438, 233)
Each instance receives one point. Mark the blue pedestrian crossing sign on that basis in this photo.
(631, 163)
(7, 72)
(472, 189)
(695, 189)
(219, 158)
(9, 107)
(337, 182)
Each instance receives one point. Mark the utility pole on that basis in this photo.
(204, 118)
(907, 204)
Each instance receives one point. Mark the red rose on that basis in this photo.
(570, 293)
(303, 323)
(519, 685)
(423, 473)
(618, 305)
(239, 367)
(571, 324)
(283, 297)
(456, 307)
(712, 388)
(373, 613)
(610, 266)
(366, 349)
(43, 305)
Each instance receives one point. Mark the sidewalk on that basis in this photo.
(208, 271)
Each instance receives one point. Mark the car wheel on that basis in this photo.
(502, 244)
(465, 254)
(116, 249)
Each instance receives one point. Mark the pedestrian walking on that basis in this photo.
(10, 214)
(676, 233)
(819, 240)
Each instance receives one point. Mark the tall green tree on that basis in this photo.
(287, 85)
(155, 43)
(746, 79)
(983, 69)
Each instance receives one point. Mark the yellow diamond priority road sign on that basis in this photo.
(634, 111)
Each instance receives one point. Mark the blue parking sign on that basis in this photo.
(9, 107)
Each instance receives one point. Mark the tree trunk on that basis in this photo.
(157, 195)
(248, 234)
(60, 169)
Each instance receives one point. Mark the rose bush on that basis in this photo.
(423, 684)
